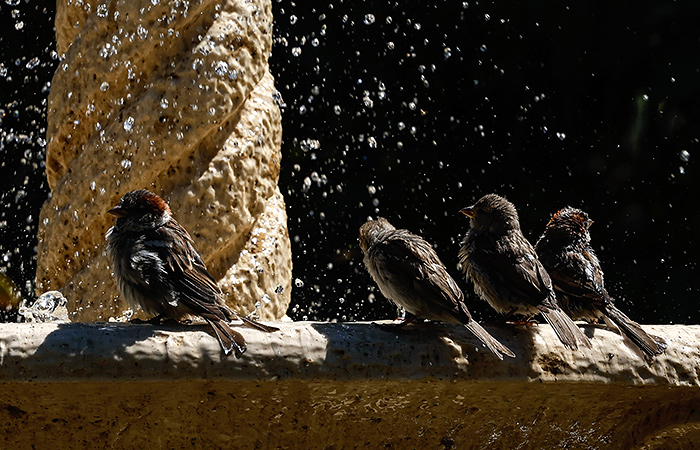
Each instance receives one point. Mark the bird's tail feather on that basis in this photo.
(230, 314)
(230, 340)
(650, 345)
(565, 328)
(257, 325)
(489, 341)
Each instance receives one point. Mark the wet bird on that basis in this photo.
(505, 269)
(158, 269)
(409, 272)
(565, 250)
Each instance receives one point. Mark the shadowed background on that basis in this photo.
(412, 111)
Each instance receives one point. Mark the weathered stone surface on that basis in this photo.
(175, 97)
(320, 385)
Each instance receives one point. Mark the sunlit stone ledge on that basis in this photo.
(321, 385)
(344, 351)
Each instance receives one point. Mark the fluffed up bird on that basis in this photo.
(565, 250)
(506, 271)
(409, 272)
(158, 269)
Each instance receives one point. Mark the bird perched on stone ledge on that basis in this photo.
(409, 272)
(565, 250)
(158, 269)
(505, 269)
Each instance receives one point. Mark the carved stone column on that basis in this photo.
(175, 97)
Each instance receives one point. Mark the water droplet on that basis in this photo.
(372, 190)
(32, 63)
(337, 109)
(128, 124)
(102, 10)
(292, 19)
(279, 289)
(221, 68)
(307, 184)
(277, 97)
(310, 144)
(369, 19)
(296, 51)
(685, 156)
(19, 25)
(142, 32)
(164, 103)
(266, 299)
(107, 50)
(104, 86)
(298, 282)
(483, 48)
(126, 164)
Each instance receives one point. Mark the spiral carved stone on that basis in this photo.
(175, 97)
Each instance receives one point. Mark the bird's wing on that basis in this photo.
(520, 272)
(580, 276)
(418, 265)
(193, 283)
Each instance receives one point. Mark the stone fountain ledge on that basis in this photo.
(323, 385)
(337, 351)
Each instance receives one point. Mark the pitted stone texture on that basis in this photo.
(347, 351)
(321, 385)
(175, 97)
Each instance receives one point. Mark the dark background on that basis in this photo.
(412, 110)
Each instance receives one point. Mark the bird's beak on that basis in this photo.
(468, 211)
(117, 211)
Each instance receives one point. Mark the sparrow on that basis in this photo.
(505, 269)
(565, 251)
(158, 269)
(409, 273)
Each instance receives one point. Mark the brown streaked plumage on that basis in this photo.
(158, 269)
(506, 271)
(566, 252)
(409, 272)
